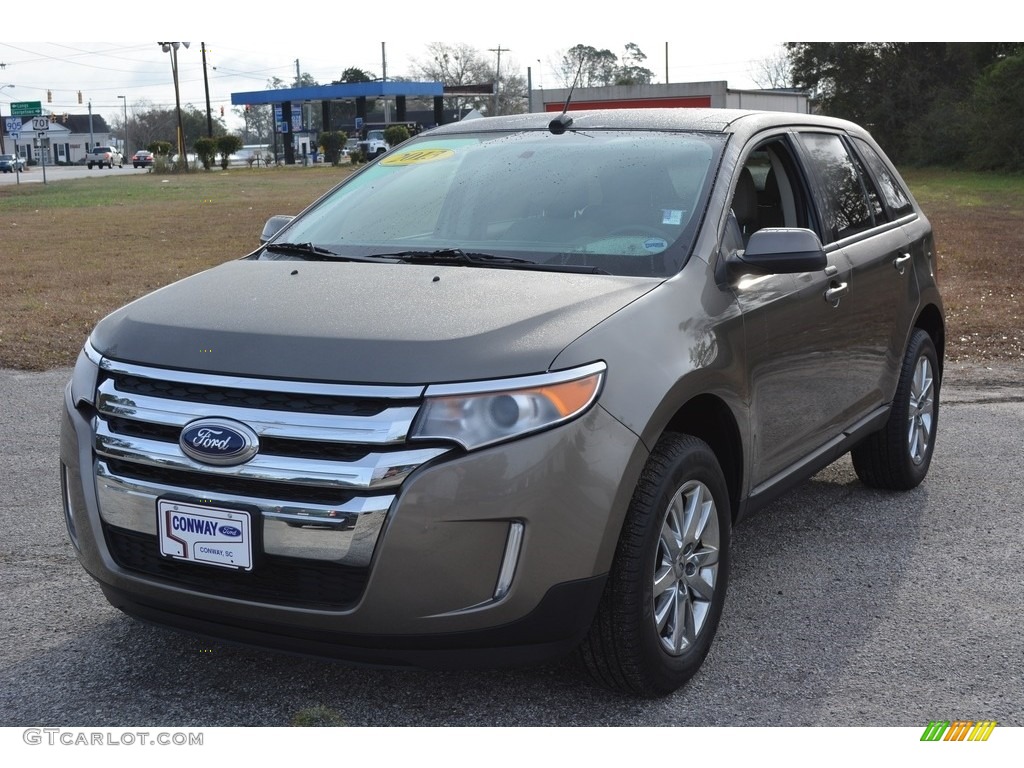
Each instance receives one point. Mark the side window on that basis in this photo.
(770, 191)
(846, 204)
(896, 198)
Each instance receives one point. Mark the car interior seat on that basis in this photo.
(744, 204)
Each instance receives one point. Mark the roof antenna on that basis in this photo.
(559, 125)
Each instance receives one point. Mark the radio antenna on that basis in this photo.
(559, 125)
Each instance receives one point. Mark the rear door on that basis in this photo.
(880, 284)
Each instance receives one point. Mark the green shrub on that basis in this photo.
(227, 146)
(395, 135)
(207, 150)
(332, 142)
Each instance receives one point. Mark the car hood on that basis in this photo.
(363, 323)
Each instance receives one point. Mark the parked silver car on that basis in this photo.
(506, 392)
(11, 163)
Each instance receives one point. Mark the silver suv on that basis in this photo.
(506, 392)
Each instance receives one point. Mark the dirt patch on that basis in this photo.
(979, 251)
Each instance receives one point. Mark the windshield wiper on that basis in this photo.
(306, 250)
(457, 256)
(450, 256)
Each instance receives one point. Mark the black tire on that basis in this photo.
(897, 456)
(632, 645)
(90, 166)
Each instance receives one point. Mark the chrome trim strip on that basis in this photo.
(375, 470)
(91, 353)
(518, 382)
(396, 392)
(345, 534)
(513, 546)
(388, 427)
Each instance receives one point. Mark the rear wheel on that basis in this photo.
(897, 457)
(665, 593)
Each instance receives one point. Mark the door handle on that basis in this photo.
(835, 292)
(901, 262)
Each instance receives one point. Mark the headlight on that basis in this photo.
(83, 380)
(488, 412)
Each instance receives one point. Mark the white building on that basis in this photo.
(69, 135)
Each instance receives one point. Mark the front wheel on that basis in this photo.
(897, 456)
(666, 589)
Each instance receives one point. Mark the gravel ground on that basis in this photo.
(847, 606)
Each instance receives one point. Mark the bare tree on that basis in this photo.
(773, 71)
(457, 64)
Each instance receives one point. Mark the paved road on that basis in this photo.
(34, 175)
(847, 607)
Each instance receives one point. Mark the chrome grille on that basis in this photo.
(331, 460)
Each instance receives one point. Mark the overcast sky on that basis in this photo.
(715, 41)
(140, 71)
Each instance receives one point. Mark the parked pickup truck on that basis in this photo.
(101, 156)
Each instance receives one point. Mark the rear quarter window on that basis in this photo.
(896, 197)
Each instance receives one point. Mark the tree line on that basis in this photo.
(947, 104)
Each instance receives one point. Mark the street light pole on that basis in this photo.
(125, 100)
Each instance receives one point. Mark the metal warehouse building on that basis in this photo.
(716, 93)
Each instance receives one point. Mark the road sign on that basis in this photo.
(40, 124)
(13, 124)
(26, 108)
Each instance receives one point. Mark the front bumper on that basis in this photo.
(494, 555)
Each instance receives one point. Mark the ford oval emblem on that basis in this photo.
(230, 531)
(222, 442)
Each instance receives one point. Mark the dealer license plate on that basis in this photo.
(207, 535)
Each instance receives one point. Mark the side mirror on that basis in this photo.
(274, 225)
(782, 251)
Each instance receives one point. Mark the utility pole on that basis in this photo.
(384, 79)
(497, 74)
(206, 85)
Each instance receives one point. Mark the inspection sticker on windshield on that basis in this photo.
(206, 535)
(414, 156)
(671, 216)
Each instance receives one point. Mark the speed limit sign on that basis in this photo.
(40, 124)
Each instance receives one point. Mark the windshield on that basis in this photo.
(626, 203)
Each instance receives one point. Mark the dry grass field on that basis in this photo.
(70, 252)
